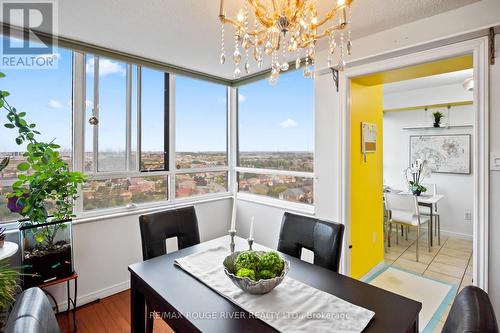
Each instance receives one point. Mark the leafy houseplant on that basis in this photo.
(437, 118)
(415, 175)
(46, 187)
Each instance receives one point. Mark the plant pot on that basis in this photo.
(13, 206)
(47, 252)
(437, 125)
(416, 192)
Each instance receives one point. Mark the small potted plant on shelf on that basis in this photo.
(415, 175)
(43, 195)
(437, 118)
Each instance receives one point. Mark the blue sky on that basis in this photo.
(279, 117)
(271, 118)
(45, 95)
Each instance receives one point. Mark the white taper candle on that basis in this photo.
(251, 229)
(233, 217)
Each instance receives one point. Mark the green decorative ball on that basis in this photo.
(245, 272)
(271, 261)
(266, 274)
(247, 259)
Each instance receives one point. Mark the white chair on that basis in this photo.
(432, 190)
(404, 210)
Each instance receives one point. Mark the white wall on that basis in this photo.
(426, 96)
(457, 189)
(103, 249)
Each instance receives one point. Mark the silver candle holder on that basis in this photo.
(232, 233)
(250, 243)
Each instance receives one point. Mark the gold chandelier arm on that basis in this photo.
(328, 31)
(328, 17)
(260, 13)
(332, 13)
(256, 32)
(227, 20)
(257, 5)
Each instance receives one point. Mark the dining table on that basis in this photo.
(188, 305)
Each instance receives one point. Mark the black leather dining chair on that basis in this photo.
(323, 238)
(156, 228)
(471, 312)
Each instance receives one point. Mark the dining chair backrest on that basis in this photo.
(471, 311)
(156, 228)
(323, 238)
(401, 202)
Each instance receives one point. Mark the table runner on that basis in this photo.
(291, 307)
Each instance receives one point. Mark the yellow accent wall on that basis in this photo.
(422, 70)
(366, 211)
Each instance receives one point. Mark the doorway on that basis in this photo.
(446, 263)
(362, 171)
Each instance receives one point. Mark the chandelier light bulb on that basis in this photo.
(241, 16)
(340, 2)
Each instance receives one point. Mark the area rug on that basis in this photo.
(433, 294)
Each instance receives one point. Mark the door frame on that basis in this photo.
(479, 49)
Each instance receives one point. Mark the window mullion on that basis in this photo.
(171, 135)
(95, 113)
(232, 110)
(78, 142)
(139, 119)
(128, 119)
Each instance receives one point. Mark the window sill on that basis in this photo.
(121, 212)
(277, 203)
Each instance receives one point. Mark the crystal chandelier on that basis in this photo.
(281, 28)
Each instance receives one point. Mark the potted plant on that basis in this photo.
(9, 287)
(437, 118)
(44, 195)
(415, 174)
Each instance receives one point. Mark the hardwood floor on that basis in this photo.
(109, 315)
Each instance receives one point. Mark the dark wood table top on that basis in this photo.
(168, 287)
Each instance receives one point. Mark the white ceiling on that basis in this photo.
(186, 33)
(457, 77)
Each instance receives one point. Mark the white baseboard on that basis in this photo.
(455, 234)
(96, 295)
(372, 271)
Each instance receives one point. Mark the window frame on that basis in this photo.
(170, 172)
(263, 199)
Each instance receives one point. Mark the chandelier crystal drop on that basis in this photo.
(283, 30)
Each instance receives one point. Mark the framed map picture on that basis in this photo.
(443, 153)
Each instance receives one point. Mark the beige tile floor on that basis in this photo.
(449, 262)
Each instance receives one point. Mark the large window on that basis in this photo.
(127, 156)
(275, 139)
(46, 97)
(201, 137)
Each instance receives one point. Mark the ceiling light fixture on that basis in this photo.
(284, 27)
